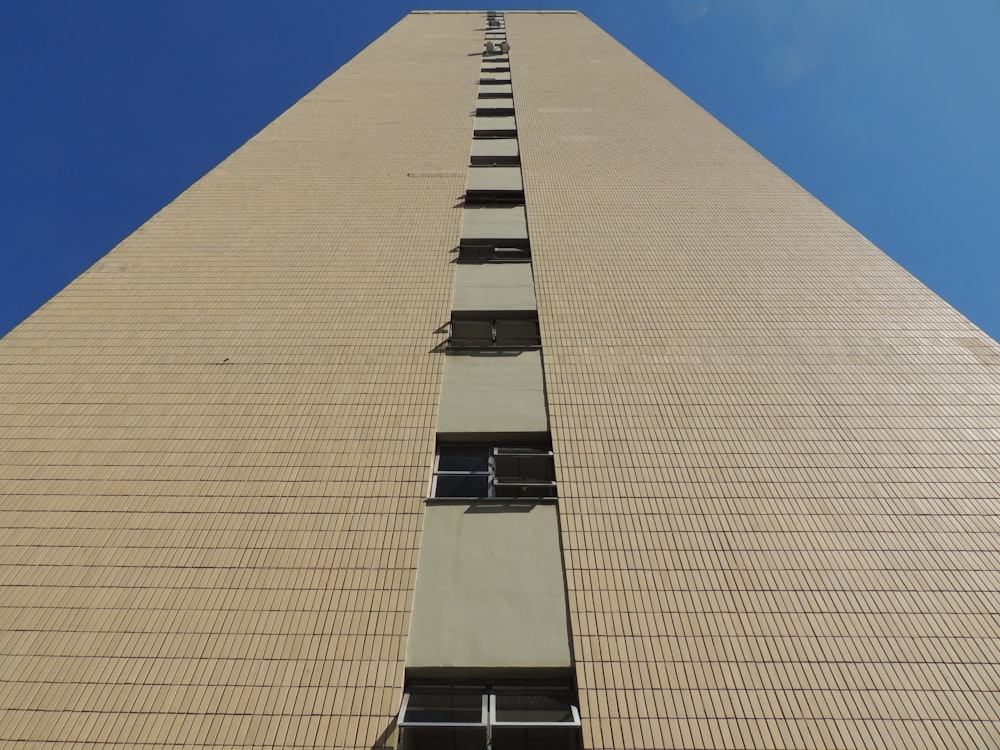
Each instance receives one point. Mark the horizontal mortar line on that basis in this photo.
(389, 571)
(272, 589)
(389, 661)
(922, 569)
(194, 548)
(248, 659)
(359, 510)
(133, 712)
(212, 633)
(184, 568)
(780, 550)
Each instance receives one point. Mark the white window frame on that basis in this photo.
(575, 722)
(488, 716)
(492, 479)
(495, 342)
(483, 717)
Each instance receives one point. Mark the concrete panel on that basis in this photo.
(489, 589)
(507, 223)
(495, 146)
(485, 105)
(495, 178)
(492, 393)
(493, 287)
(494, 125)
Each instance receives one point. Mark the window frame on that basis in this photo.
(488, 720)
(494, 722)
(472, 251)
(497, 324)
(493, 479)
(484, 715)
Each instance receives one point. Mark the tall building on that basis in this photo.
(498, 397)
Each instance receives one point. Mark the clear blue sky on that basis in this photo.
(886, 110)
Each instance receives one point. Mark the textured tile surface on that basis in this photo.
(215, 444)
(776, 451)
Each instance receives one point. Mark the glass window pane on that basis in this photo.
(534, 705)
(525, 490)
(444, 708)
(524, 332)
(444, 738)
(512, 253)
(472, 331)
(464, 458)
(535, 738)
(521, 450)
(462, 485)
(530, 466)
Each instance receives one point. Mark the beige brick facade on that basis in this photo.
(216, 442)
(776, 450)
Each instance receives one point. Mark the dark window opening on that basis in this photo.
(495, 160)
(484, 110)
(500, 333)
(494, 198)
(501, 717)
(484, 133)
(509, 251)
(479, 472)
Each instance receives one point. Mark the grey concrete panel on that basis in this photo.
(489, 589)
(487, 104)
(495, 146)
(507, 223)
(489, 393)
(495, 178)
(494, 124)
(493, 287)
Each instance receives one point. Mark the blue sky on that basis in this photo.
(886, 110)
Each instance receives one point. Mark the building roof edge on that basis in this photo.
(499, 11)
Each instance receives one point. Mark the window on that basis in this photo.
(452, 707)
(497, 197)
(471, 251)
(500, 333)
(493, 159)
(494, 127)
(499, 471)
(499, 107)
(501, 717)
(443, 718)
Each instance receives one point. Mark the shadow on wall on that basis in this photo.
(387, 740)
